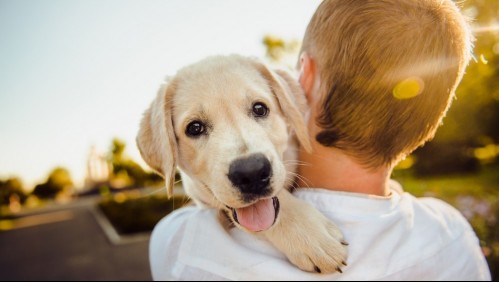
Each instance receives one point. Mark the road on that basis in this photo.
(68, 244)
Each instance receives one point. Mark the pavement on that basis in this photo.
(70, 243)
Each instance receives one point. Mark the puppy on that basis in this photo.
(231, 126)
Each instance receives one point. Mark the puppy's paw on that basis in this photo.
(317, 246)
(308, 238)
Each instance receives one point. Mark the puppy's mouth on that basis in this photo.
(259, 216)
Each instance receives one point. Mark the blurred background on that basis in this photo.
(76, 200)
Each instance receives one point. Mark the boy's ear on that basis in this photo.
(156, 138)
(307, 74)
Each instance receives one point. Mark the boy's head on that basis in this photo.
(388, 70)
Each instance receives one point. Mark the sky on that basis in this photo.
(76, 74)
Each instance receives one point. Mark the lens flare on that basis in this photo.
(408, 88)
(483, 59)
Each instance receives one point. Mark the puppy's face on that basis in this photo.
(230, 131)
(231, 134)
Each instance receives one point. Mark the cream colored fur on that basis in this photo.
(221, 91)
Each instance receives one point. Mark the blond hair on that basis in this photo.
(388, 72)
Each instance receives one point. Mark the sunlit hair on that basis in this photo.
(388, 72)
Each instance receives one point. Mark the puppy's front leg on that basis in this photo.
(307, 237)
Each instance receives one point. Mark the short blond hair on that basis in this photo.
(366, 51)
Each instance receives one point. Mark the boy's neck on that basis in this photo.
(332, 169)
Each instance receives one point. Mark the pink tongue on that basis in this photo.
(257, 217)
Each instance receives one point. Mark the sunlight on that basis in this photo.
(408, 88)
(488, 28)
(423, 68)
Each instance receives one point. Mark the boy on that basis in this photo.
(379, 77)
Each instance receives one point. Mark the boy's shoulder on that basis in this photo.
(454, 244)
(429, 210)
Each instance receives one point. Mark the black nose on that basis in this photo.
(251, 175)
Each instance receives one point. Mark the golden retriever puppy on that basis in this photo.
(231, 126)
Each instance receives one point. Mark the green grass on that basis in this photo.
(485, 184)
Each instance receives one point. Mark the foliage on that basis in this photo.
(472, 123)
(442, 159)
(132, 215)
(473, 119)
(127, 171)
(281, 51)
(59, 180)
(9, 188)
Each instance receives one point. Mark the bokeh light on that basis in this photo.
(408, 88)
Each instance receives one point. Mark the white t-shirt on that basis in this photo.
(391, 238)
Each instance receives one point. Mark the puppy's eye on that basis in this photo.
(195, 129)
(260, 110)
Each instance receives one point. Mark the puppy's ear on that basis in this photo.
(156, 138)
(291, 100)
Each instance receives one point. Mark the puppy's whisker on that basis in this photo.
(296, 185)
(187, 199)
(154, 192)
(293, 181)
(297, 164)
(295, 161)
(301, 178)
(295, 149)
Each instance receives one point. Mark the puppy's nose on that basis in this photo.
(251, 175)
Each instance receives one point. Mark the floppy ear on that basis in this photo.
(291, 99)
(156, 138)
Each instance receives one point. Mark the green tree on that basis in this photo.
(117, 150)
(59, 180)
(474, 115)
(127, 171)
(9, 188)
(473, 119)
(280, 51)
